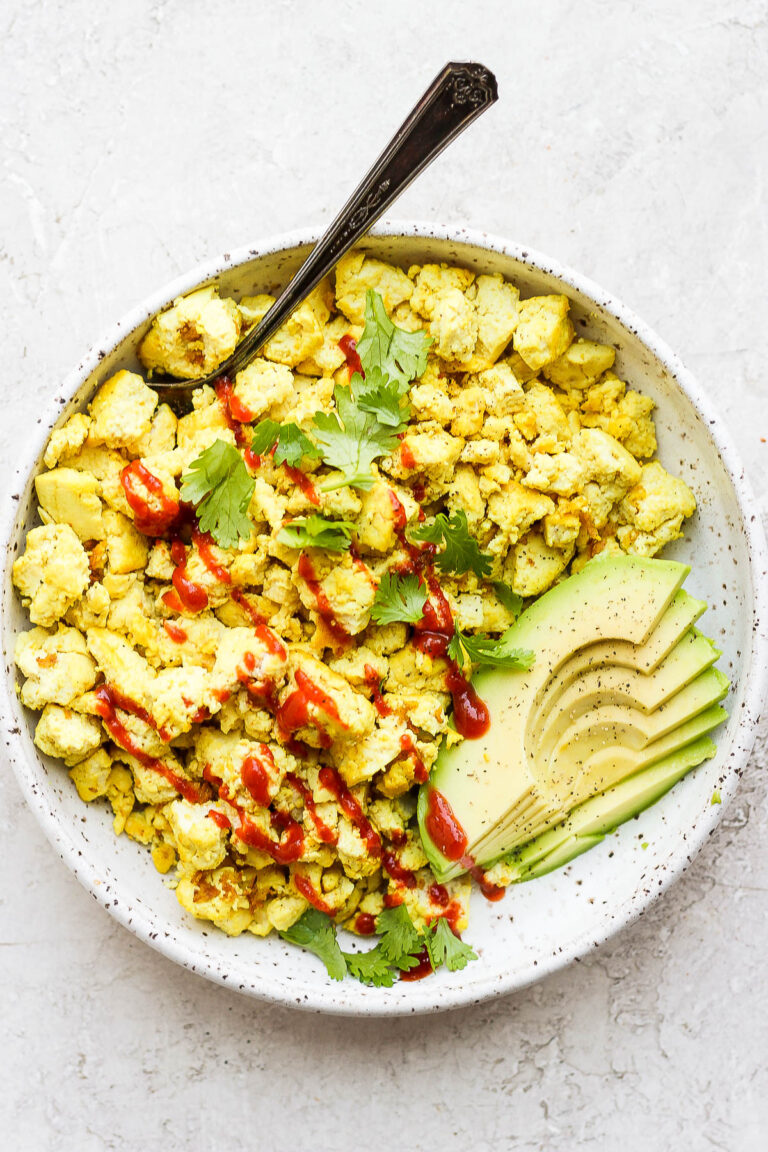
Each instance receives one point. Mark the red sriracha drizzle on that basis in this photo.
(396, 871)
(311, 894)
(294, 712)
(324, 833)
(348, 345)
(373, 681)
(154, 512)
(302, 481)
(286, 850)
(322, 603)
(444, 829)
(235, 412)
(331, 780)
(256, 776)
(107, 701)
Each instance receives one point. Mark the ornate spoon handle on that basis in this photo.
(456, 97)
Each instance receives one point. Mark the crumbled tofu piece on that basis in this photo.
(469, 411)
(432, 279)
(161, 436)
(580, 365)
(200, 842)
(261, 385)
(356, 273)
(515, 509)
(464, 495)
(360, 760)
(454, 325)
(121, 411)
(68, 735)
(536, 566)
(247, 655)
(67, 496)
(127, 548)
(301, 336)
(543, 331)
(193, 337)
(254, 308)
(652, 512)
(91, 776)
(432, 454)
(67, 440)
(57, 665)
(561, 529)
(221, 896)
(563, 474)
(325, 706)
(503, 394)
(385, 510)
(329, 357)
(497, 310)
(52, 573)
(431, 402)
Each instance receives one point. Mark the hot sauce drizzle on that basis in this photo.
(256, 776)
(444, 829)
(175, 633)
(203, 541)
(311, 894)
(302, 481)
(365, 924)
(322, 603)
(396, 871)
(324, 833)
(240, 598)
(408, 750)
(219, 818)
(107, 701)
(373, 681)
(235, 412)
(287, 850)
(294, 712)
(153, 514)
(331, 780)
(348, 345)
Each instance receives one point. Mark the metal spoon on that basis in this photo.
(456, 97)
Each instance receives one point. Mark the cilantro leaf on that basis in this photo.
(511, 600)
(461, 552)
(370, 967)
(288, 440)
(381, 396)
(265, 436)
(350, 440)
(482, 649)
(317, 532)
(317, 933)
(398, 598)
(446, 948)
(400, 940)
(400, 354)
(217, 482)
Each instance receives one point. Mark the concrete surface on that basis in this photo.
(630, 142)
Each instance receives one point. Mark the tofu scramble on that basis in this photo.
(260, 712)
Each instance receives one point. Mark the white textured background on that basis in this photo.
(630, 141)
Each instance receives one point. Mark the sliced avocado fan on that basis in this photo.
(622, 686)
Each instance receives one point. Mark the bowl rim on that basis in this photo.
(322, 996)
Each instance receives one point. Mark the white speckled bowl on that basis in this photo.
(540, 926)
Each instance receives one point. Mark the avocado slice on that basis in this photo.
(612, 598)
(615, 762)
(591, 821)
(572, 726)
(577, 719)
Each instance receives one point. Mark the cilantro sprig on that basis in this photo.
(218, 484)
(444, 947)
(317, 532)
(460, 550)
(290, 443)
(398, 949)
(398, 598)
(482, 649)
(350, 439)
(399, 354)
(317, 933)
(383, 397)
